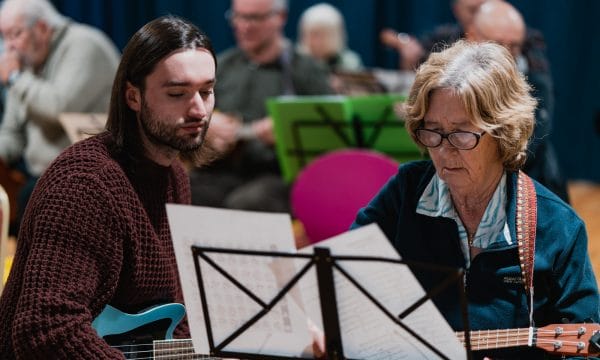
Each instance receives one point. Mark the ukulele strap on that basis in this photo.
(526, 223)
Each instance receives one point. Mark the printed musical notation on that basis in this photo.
(283, 330)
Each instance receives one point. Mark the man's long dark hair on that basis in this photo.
(149, 45)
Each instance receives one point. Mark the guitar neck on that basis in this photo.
(496, 339)
(177, 349)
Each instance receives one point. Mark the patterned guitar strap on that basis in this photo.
(526, 223)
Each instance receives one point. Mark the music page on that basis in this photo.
(283, 330)
(367, 333)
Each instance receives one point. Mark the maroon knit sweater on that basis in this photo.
(94, 233)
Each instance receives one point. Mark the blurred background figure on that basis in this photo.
(322, 35)
(50, 65)
(263, 64)
(413, 51)
(500, 22)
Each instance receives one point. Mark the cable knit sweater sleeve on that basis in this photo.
(95, 232)
(70, 270)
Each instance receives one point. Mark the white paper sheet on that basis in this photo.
(284, 330)
(367, 332)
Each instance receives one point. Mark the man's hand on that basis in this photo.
(223, 131)
(263, 129)
(9, 62)
(408, 46)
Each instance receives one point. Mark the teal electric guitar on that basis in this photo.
(149, 335)
(146, 335)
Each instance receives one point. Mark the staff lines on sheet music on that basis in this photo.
(228, 312)
(263, 285)
(267, 307)
(385, 311)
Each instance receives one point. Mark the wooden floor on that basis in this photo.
(585, 198)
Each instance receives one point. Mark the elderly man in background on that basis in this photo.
(500, 22)
(413, 51)
(50, 65)
(263, 64)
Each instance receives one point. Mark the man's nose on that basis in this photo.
(198, 107)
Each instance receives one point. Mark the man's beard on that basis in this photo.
(163, 133)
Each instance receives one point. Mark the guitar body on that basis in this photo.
(112, 322)
(146, 335)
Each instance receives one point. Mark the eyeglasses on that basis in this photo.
(462, 140)
(236, 18)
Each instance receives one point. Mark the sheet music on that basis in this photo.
(366, 331)
(283, 331)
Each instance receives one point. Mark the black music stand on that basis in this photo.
(325, 263)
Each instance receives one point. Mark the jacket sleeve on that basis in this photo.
(73, 260)
(578, 298)
(383, 209)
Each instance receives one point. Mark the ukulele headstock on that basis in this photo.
(569, 339)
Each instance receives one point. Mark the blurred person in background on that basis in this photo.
(50, 65)
(413, 51)
(322, 35)
(500, 22)
(263, 64)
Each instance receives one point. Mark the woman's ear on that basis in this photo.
(133, 97)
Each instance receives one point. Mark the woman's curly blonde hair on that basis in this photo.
(494, 94)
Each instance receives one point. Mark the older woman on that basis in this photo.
(470, 206)
(322, 35)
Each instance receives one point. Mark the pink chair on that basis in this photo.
(329, 191)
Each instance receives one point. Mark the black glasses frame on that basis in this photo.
(448, 136)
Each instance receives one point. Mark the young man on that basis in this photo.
(95, 231)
